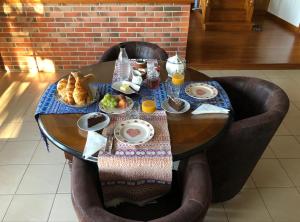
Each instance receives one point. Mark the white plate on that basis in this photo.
(83, 124)
(201, 91)
(165, 105)
(134, 131)
(95, 97)
(117, 86)
(130, 104)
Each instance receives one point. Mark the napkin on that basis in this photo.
(208, 108)
(94, 143)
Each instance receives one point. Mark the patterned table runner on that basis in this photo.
(141, 173)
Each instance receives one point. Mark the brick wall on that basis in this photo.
(69, 36)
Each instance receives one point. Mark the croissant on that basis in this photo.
(81, 93)
(61, 89)
(69, 90)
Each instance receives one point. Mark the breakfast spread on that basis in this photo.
(114, 101)
(175, 103)
(74, 89)
(95, 119)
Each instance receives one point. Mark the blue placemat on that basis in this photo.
(48, 103)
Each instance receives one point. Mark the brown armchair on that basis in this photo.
(135, 50)
(259, 107)
(188, 200)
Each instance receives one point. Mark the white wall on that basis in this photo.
(288, 10)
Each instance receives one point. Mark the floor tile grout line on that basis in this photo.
(7, 207)
(295, 185)
(15, 192)
(261, 197)
(48, 218)
(226, 214)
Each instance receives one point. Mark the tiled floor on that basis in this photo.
(35, 184)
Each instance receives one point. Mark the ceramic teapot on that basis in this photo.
(175, 64)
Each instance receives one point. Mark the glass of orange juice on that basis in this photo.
(148, 104)
(175, 84)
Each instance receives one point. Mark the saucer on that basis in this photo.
(165, 105)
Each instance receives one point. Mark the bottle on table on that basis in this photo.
(153, 78)
(123, 65)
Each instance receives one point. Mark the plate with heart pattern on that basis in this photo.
(201, 91)
(134, 131)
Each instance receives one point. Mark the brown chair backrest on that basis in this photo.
(135, 50)
(259, 108)
(193, 195)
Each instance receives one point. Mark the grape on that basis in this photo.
(109, 101)
(107, 96)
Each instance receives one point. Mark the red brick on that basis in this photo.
(128, 14)
(163, 24)
(56, 24)
(81, 8)
(153, 39)
(163, 14)
(83, 29)
(180, 24)
(118, 39)
(134, 19)
(181, 14)
(137, 29)
(108, 14)
(154, 19)
(178, 34)
(76, 34)
(92, 34)
(126, 34)
(100, 19)
(118, 19)
(44, 19)
(65, 29)
(109, 24)
(118, 8)
(146, 24)
(47, 29)
(127, 24)
(64, 19)
(136, 8)
(72, 14)
(154, 8)
(89, 14)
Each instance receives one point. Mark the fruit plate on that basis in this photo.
(201, 91)
(118, 87)
(116, 110)
(94, 93)
(165, 105)
(82, 123)
(134, 131)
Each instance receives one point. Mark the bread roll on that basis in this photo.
(61, 89)
(69, 90)
(81, 93)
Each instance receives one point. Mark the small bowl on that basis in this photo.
(83, 126)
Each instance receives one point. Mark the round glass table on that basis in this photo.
(189, 133)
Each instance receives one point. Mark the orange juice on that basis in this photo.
(178, 79)
(148, 106)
